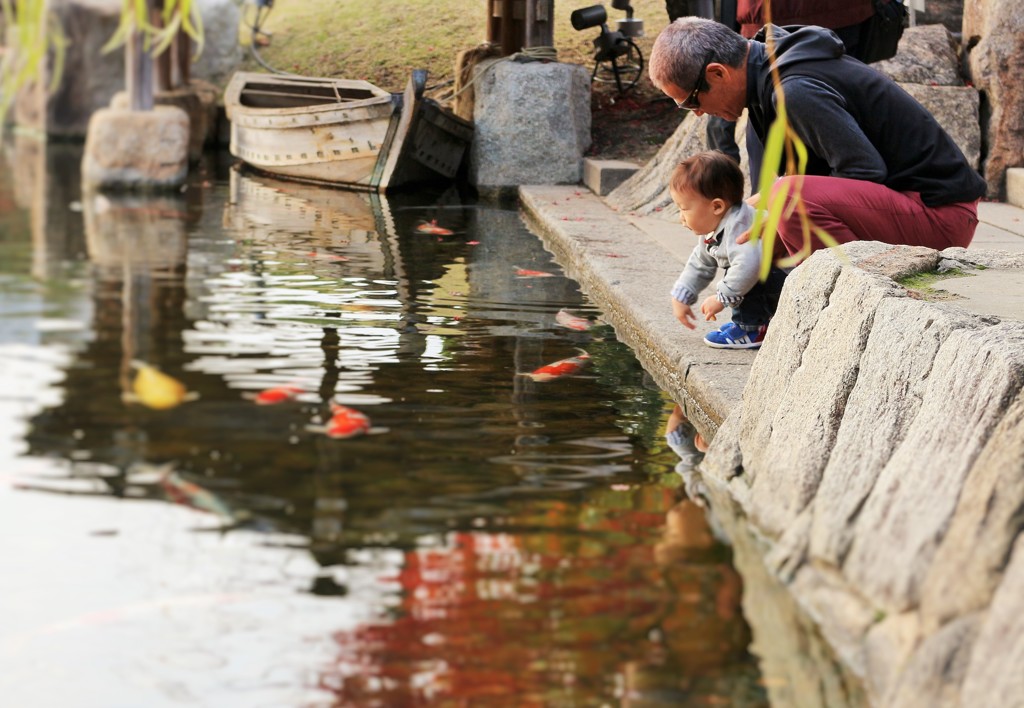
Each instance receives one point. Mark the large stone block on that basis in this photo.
(136, 149)
(532, 123)
(222, 53)
(994, 37)
(894, 370)
(976, 375)
(927, 54)
(796, 397)
(970, 562)
(994, 676)
(935, 671)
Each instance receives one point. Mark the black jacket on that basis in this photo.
(856, 122)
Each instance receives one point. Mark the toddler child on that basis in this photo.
(708, 189)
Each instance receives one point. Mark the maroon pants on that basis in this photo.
(855, 210)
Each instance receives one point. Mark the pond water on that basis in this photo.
(494, 539)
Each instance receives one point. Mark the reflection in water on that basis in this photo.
(495, 538)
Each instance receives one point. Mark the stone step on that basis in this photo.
(1015, 186)
(602, 176)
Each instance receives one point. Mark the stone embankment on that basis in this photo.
(879, 454)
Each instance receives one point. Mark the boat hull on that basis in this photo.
(343, 133)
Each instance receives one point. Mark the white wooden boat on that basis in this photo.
(343, 132)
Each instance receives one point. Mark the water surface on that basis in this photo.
(494, 540)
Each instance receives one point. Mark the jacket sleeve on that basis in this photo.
(744, 260)
(700, 269)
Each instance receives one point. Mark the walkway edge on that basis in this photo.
(629, 276)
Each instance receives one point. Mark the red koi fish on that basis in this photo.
(524, 273)
(346, 422)
(431, 227)
(564, 367)
(567, 319)
(277, 394)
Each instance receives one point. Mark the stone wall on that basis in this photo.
(994, 41)
(879, 455)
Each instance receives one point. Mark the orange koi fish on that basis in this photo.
(524, 273)
(564, 367)
(567, 319)
(277, 394)
(346, 422)
(431, 227)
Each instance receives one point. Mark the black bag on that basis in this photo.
(880, 34)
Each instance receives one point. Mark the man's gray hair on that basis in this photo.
(689, 43)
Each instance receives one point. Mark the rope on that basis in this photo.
(527, 54)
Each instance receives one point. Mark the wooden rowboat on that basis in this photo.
(343, 132)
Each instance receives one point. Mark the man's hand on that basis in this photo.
(711, 307)
(683, 313)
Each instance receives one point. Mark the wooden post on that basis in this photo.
(540, 23)
(506, 24)
(139, 73)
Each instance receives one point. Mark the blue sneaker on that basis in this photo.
(732, 336)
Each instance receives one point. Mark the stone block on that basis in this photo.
(894, 369)
(975, 376)
(136, 149)
(994, 37)
(935, 671)
(994, 676)
(222, 52)
(532, 123)
(927, 54)
(602, 176)
(797, 395)
(1015, 186)
(970, 562)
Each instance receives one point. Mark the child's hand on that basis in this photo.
(683, 313)
(711, 307)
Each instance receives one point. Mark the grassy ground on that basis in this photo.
(382, 40)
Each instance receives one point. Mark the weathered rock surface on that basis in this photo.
(532, 123)
(879, 455)
(136, 149)
(993, 676)
(975, 375)
(969, 563)
(994, 37)
(222, 52)
(928, 54)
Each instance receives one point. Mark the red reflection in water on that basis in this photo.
(542, 615)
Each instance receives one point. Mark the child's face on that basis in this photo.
(698, 213)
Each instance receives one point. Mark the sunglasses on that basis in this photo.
(692, 102)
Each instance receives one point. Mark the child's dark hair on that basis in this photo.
(711, 174)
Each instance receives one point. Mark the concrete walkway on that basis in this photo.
(627, 265)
